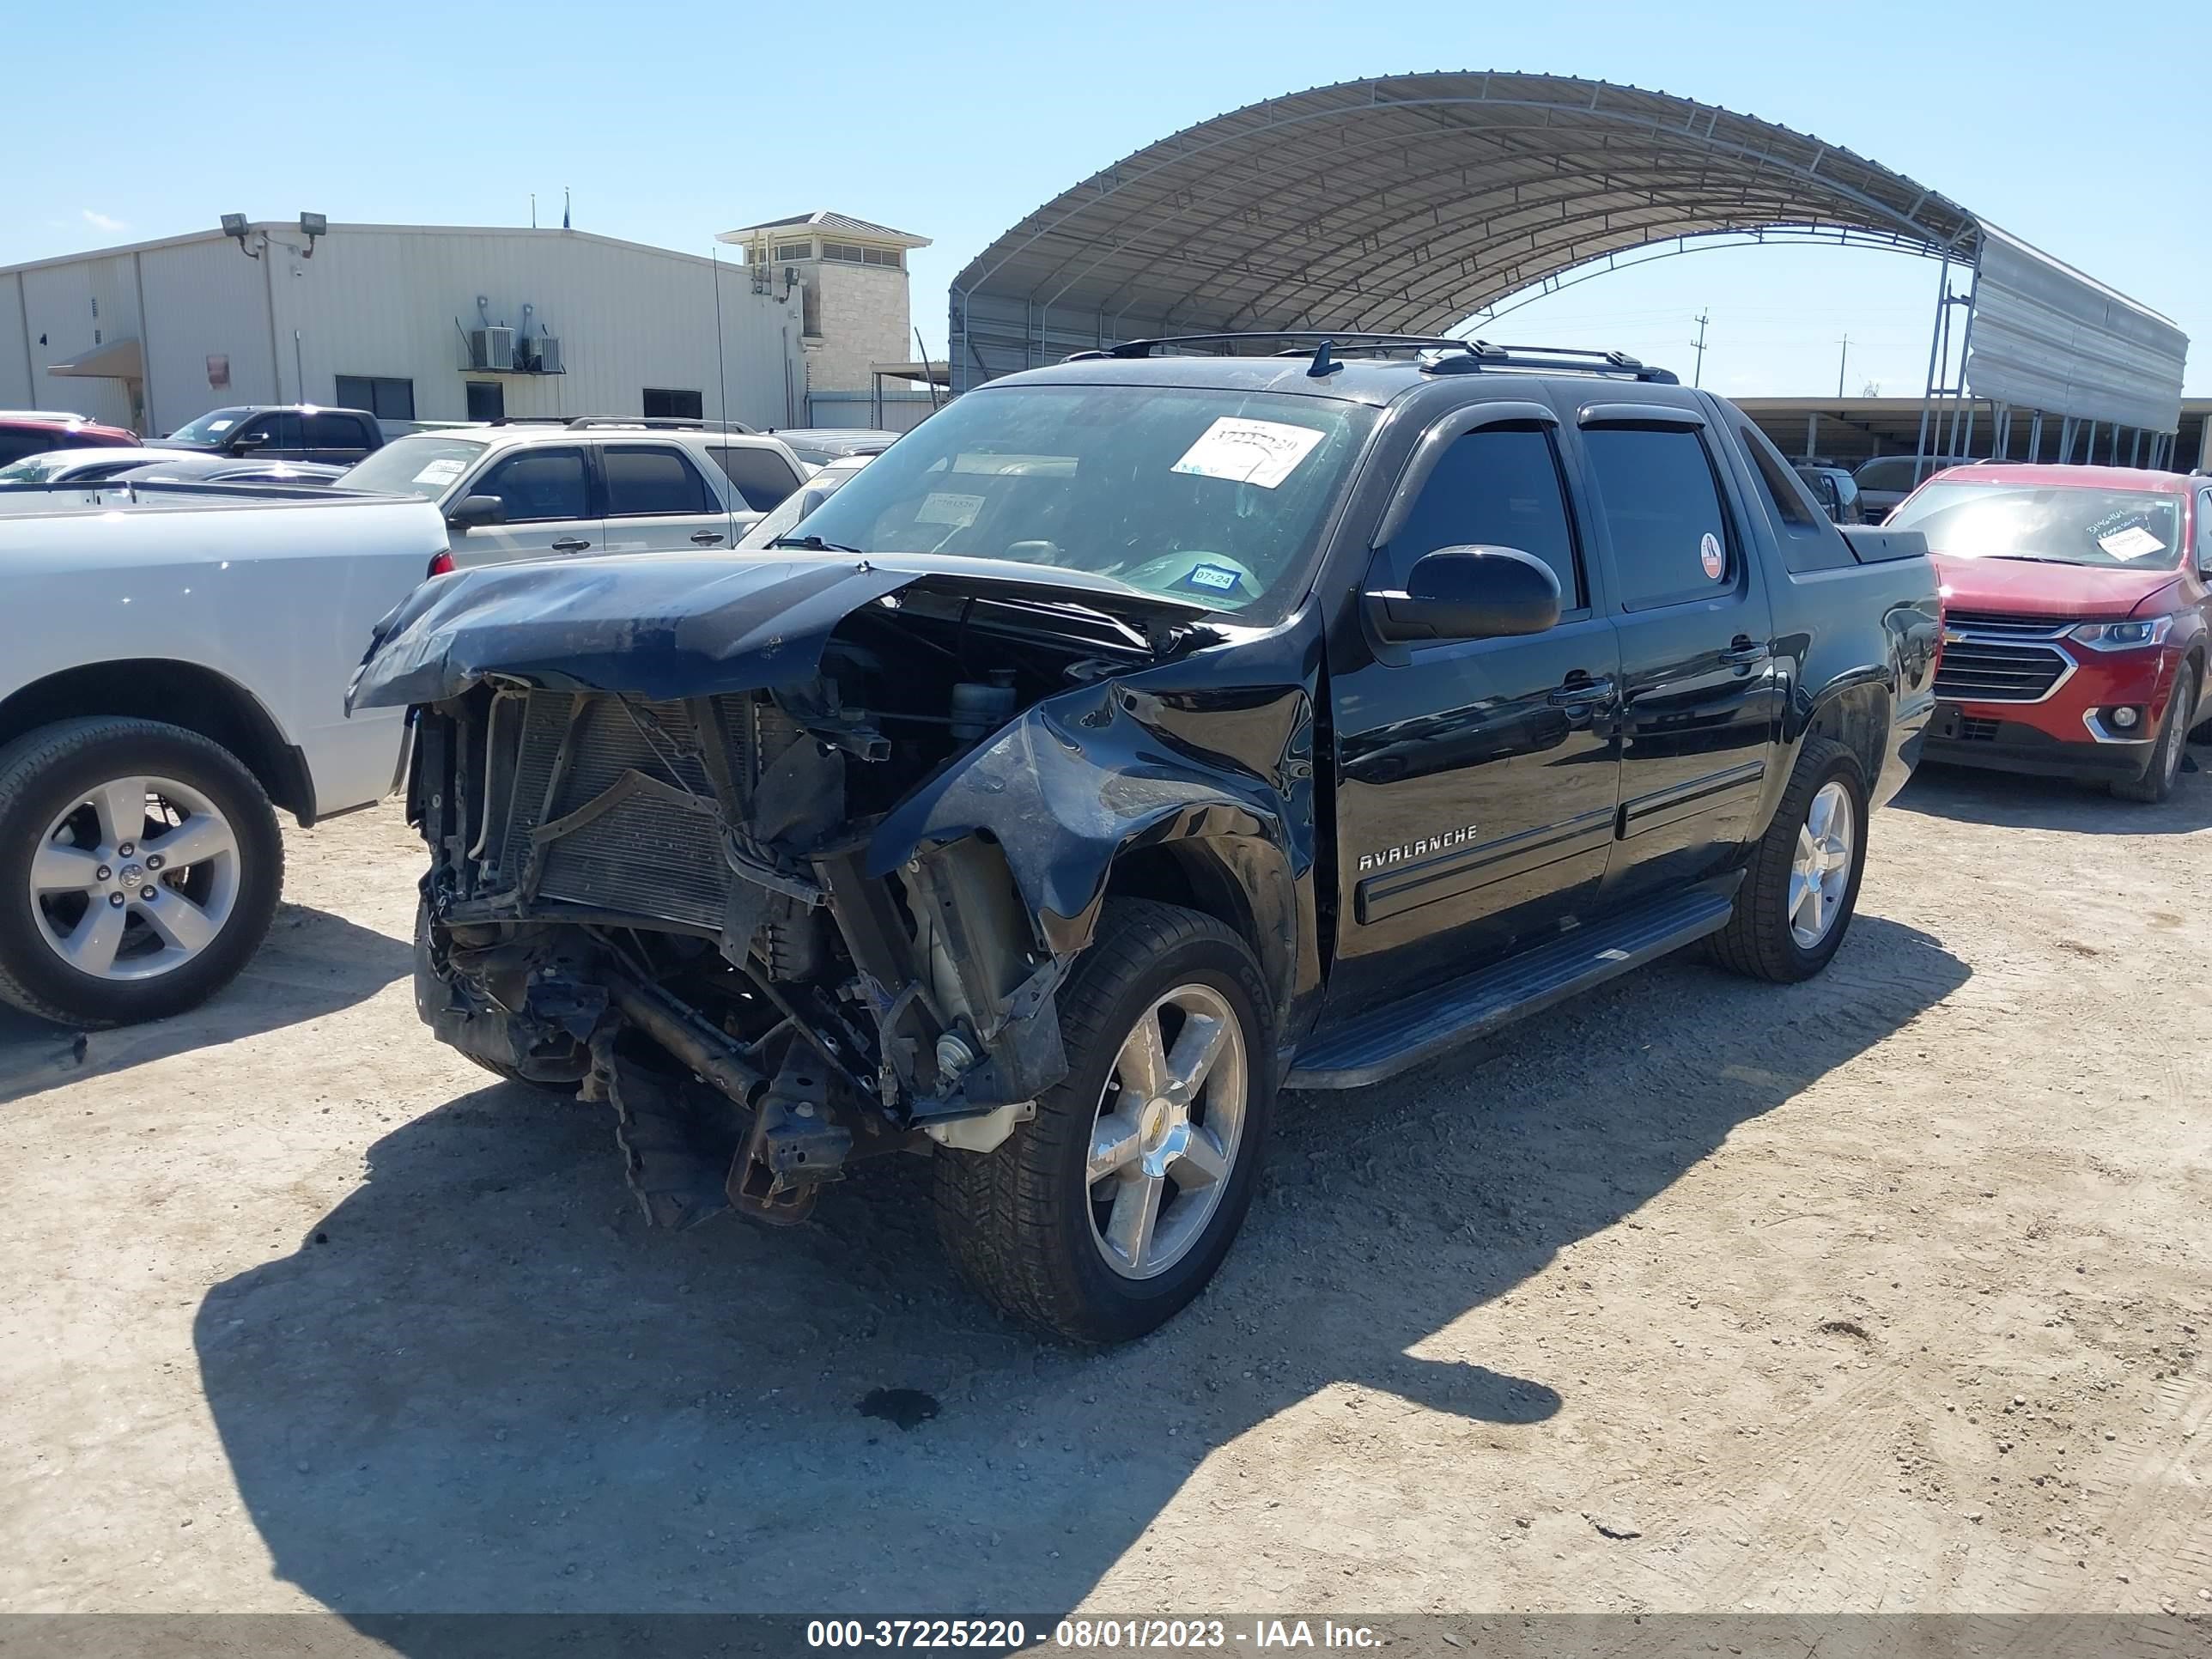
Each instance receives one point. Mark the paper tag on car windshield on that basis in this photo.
(440, 472)
(948, 509)
(2133, 543)
(1263, 453)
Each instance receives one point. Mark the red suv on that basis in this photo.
(2077, 619)
(34, 434)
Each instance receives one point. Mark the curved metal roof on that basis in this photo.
(1409, 202)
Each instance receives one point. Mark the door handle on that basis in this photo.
(707, 538)
(569, 545)
(1582, 693)
(1743, 652)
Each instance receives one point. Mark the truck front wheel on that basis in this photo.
(140, 866)
(1802, 884)
(1110, 1210)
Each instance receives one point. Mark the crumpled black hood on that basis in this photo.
(669, 625)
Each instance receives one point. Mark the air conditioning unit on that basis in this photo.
(491, 348)
(547, 348)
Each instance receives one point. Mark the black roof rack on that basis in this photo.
(1468, 356)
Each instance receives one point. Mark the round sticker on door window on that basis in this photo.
(1709, 554)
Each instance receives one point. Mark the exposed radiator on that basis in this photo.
(645, 855)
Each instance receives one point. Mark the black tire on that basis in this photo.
(2158, 779)
(1758, 941)
(1018, 1220)
(38, 774)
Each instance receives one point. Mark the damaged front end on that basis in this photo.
(786, 859)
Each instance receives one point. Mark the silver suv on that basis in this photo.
(530, 489)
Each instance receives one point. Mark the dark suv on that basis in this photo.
(1134, 737)
(292, 432)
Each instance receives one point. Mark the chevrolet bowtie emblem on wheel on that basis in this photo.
(1414, 849)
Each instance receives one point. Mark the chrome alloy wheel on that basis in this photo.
(1821, 870)
(1168, 1130)
(135, 878)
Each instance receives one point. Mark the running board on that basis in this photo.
(1387, 1041)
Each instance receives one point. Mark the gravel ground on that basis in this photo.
(1887, 1292)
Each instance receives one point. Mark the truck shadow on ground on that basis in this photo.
(313, 963)
(481, 1384)
(1970, 795)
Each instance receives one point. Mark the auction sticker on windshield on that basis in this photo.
(440, 472)
(2133, 543)
(1263, 453)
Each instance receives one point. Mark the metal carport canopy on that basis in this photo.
(1409, 202)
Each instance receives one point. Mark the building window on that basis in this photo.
(487, 400)
(851, 253)
(386, 398)
(662, 405)
(794, 251)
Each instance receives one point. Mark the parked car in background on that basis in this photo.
(184, 667)
(1835, 490)
(828, 478)
(1886, 480)
(1141, 735)
(815, 444)
(25, 434)
(2078, 619)
(526, 490)
(186, 468)
(81, 465)
(281, 432)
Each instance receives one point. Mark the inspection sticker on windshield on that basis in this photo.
(440, 472)
(1263, 453)
(2133, 543)
(948, 509)
(1215, 578)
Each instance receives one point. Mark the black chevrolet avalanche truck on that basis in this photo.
(1133, 739)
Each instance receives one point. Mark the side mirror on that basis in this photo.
(1468, 593)
(475, 512)
(246, 441)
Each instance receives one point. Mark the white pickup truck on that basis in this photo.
(173, 659)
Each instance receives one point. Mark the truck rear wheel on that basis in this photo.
(140, 866)
(1802, 884)
(1104, 1215)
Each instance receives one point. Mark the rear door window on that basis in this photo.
(335, 431)
(653, 482)
(1663, 509)
(761, 476)
(539, 484)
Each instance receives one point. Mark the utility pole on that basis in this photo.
(1840, 362)
(1698, 376)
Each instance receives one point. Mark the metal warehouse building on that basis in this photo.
(411, 322)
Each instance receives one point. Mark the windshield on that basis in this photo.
(210, 427)
(422, 464)
(2061, 523)
(1213, 497)
(37, 469)
(795, 507)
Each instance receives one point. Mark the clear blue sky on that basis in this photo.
(2079, 127)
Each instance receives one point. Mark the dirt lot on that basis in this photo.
(1888, 1291)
